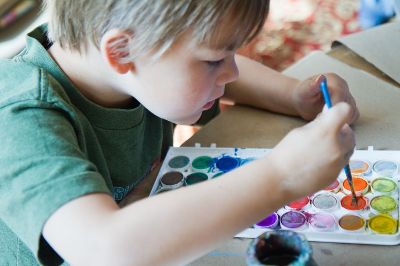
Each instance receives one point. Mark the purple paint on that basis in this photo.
(227, 163)
(271, 221)
(293, 219)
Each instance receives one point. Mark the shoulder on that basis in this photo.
(22, 82)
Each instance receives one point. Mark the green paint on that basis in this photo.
(178, 162)
(195, 178)
(218, 174)
(383, 185)
(202, 162)
(383, 204)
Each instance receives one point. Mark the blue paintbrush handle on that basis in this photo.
(348, 174)
(325, 93)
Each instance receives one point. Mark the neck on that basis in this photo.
(90, 75)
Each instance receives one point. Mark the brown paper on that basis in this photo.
(380, 46)
(378, 101)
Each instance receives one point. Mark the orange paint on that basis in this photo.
(347, 203)
(358, 167)
(360, 184)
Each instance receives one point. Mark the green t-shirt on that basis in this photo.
(56, 145)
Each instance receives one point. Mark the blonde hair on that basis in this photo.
(155, 24)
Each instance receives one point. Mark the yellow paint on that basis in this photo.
(383, 224)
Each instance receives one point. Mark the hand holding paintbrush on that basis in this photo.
(327, 99)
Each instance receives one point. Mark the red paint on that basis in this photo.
(299, 204)
(347, 203)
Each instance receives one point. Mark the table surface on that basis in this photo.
(241, 126)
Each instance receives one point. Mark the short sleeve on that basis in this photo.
(43, 166)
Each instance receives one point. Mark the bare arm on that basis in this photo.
(262, 87)
(265, 88)
(171, 228)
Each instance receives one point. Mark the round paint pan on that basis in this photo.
(346, 203)
(383, 185)
(271, 222)
(227, 163)
(179, 162)
(162, 190)
(322, 222)
(293, 220)
(360, 186)
(202, 164)
(195, 178)
(298, 204)
(385, 168)
(352, 223)
(334, 187)
(325, 201)
(172, 180)
(382, 224)
(383, 204)
(359, 167)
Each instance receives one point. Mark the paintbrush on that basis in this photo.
(325, 93)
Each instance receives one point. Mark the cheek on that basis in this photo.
(176, 93)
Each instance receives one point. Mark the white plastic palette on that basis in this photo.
(379, 223)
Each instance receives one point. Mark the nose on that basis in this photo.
(230, 72)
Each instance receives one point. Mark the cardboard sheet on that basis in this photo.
(378, 101)
(380, 46)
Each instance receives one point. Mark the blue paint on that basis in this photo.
(227, 163)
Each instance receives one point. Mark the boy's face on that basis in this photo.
(184, 82)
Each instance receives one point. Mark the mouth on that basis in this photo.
(209, 105)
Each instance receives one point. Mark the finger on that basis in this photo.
(312, 84)
(356, 112)
(336, 117)
(347, 137)
(340, 91)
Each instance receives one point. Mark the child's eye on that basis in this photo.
(215, 63)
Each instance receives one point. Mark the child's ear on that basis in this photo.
(113, 47)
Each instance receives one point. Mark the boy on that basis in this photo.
(85, 116)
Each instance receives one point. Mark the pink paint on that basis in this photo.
(322, 221)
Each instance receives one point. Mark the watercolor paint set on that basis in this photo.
(326, 216)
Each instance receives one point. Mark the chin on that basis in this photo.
(186, 120)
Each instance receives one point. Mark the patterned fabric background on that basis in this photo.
(296, 27)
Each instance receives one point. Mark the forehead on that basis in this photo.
(229, 34)
(225, 37)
